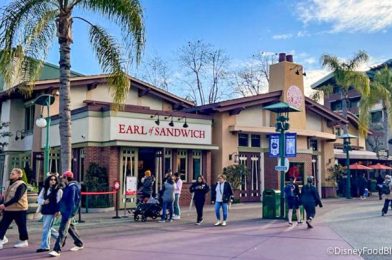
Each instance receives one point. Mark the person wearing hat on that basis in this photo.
(386, 189)
(69, 205)
(310, 199)
(15, 208)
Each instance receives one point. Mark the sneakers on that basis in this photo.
(299, 222)
(382, 213)
(224, 223)
(308, 223)
(3, 242)
(170, 220)
(176, 217)
(54, 253)
(161, 221)
(22, 244)
(290, 224)
(218, 223)
(76, 248)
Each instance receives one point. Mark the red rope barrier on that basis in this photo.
(98, 192)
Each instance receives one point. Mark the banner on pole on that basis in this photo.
(291, 145)
(274, 145)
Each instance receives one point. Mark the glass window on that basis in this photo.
(168, 160)
(196, 164)
(243, 140)
(336, 105)
(296, 170)
(376, 116)
(182, 164)
(255, 140)
(313, 144)
(29, 118)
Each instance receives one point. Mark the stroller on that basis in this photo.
(151, 209)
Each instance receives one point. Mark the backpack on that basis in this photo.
(385, 188)
(78, 198)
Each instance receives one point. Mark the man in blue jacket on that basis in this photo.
(69, 205)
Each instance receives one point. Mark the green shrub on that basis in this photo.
(96, 179)
(236, 175)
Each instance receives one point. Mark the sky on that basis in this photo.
(305, 28)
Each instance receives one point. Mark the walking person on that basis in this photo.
(292, 195)
(167, 199)
(177, 194)
(379, 182)
(310, 199)
(221, 196)
(49, 199)
(386, 189)
(68, 205)
(199, 189)
(363, 184)
(15, 208)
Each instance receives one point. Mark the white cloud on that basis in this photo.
(344, 15)
(282, 36)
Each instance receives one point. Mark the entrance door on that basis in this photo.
(250, 190)
(128, 169)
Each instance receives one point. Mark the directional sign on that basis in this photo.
(280, 168)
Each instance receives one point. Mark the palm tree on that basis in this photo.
(346, 76)
(381, 91)
(28, 27)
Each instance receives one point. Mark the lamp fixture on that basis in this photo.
(20, 134)
(171, 123)
(185, 125)
(41, 122)
(157, 122)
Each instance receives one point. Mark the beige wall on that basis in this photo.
(252, 117)
(314, 122)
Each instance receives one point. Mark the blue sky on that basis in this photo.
(305, 28)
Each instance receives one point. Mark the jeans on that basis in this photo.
(167, 205)
(384, 209)
(66, 226)
(46, 230)
(177, 210)
(199, 205)
(20, 220)
(224, 206)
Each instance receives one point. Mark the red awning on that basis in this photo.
(380, 166)
(357, 166)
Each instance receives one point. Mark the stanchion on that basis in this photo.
(117, 202)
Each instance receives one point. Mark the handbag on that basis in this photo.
(37, 215)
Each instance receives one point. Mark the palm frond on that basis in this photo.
(358, 59)
(108, 54)
(330, 62)
(17, 17)
(128, 14)
(359, 81)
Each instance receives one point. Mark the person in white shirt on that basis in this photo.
(221, 196)
(177, 194)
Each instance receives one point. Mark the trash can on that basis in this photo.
(271, 204)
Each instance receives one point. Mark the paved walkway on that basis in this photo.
(340, 225)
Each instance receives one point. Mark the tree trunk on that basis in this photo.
(65, 40)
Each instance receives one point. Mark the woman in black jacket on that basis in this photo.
(199, 189)
(310, 199)
(221, 195)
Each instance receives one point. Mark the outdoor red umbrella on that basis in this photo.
(379, 166)
(357, 166)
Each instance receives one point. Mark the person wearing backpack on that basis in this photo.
(386, 190)
(292, 195)
(69, 205)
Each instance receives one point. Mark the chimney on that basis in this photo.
(282, 56)
(289, 58)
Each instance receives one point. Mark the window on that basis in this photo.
(336, 105)
(182, 164)
(336, 90)
(313, 144)
(196, 165)
(29, 118)
(243, 140)
(296, 170)
(255, 140)
(376, 116)
(168, 160)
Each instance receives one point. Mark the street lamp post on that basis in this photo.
(45, 100)
(282, 110)
(347, 148)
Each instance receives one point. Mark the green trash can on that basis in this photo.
(373, 186)
(271, 204)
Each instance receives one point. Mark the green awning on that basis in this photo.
(281, 107)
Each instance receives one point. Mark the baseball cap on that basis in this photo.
(68, 174)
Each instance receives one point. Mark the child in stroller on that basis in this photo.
(150, 209)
